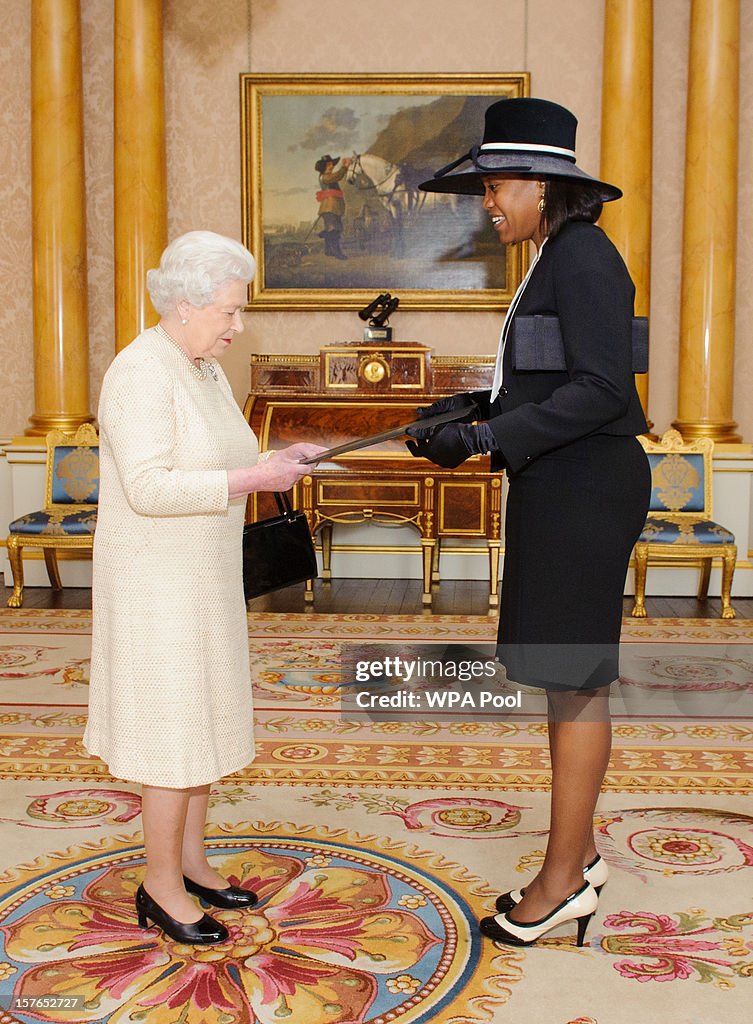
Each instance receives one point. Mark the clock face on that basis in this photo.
(374, 372)
(374, 369)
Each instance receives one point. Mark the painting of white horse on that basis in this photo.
(331, 191)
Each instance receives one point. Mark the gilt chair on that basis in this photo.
(69, 517)
(680, 526)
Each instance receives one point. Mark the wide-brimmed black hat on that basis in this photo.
(526, 137)
(322, 162)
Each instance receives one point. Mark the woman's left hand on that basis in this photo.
(448, 446)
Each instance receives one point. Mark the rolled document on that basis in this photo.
(388, 435)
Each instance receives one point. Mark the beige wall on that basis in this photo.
(16, 356)
(208, 42)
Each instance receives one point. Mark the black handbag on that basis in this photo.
(537, 344)
(277, 552)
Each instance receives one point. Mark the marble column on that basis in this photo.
(61, 342)
(140, 175)
(626, 131)
(707, 313)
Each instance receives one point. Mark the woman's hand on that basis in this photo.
(301, 450)
(284, 468)
(447, 446)
(279, 472)
(449, 404)
(451, 444)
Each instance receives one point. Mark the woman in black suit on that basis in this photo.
(561, 419)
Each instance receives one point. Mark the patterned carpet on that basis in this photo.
(375, 846)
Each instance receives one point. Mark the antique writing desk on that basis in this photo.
(352, 390)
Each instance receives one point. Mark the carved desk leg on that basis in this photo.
(325, 533)
(493, 541)
(435, 577)
(427, 548)
(307, 502)
(494, 547)
(428, 537)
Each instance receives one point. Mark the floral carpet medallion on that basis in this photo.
(676, 840)
(27, 661)
(662, 947)
(687, 671)
(348, 928)
(81, 808)
(468, 817)
(317, 673)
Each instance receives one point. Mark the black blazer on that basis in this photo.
(581, 278)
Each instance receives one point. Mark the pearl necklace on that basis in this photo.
(200, 372)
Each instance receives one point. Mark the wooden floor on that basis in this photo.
(393, 597)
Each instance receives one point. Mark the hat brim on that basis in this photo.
(471, 183)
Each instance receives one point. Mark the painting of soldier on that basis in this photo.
(370, 145)
(331, 202)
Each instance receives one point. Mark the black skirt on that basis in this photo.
(573, 516)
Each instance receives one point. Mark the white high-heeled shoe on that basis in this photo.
(596, 873)
(579, 906)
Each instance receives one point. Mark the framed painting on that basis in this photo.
(332, 210)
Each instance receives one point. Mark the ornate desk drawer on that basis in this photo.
(362, 493)
(463, 508)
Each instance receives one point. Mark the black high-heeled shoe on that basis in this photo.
(203, 932)
(579, 906)
(596, 873)
(232, 898)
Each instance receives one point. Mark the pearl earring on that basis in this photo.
(184, 322)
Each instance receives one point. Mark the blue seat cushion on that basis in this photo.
(55, 524)
(693, 531)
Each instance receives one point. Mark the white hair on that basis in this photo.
(194, 266)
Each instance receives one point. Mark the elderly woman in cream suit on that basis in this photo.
(170, 703)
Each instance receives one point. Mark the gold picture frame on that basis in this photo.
(433, 251)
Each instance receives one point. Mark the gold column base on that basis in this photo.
(42, 424)
(724, 432)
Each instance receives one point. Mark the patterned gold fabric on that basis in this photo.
(673, 531)
(55, 524)
(677, 483)
(75, 474)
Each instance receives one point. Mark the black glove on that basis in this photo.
(448, 404)
(451, 444)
